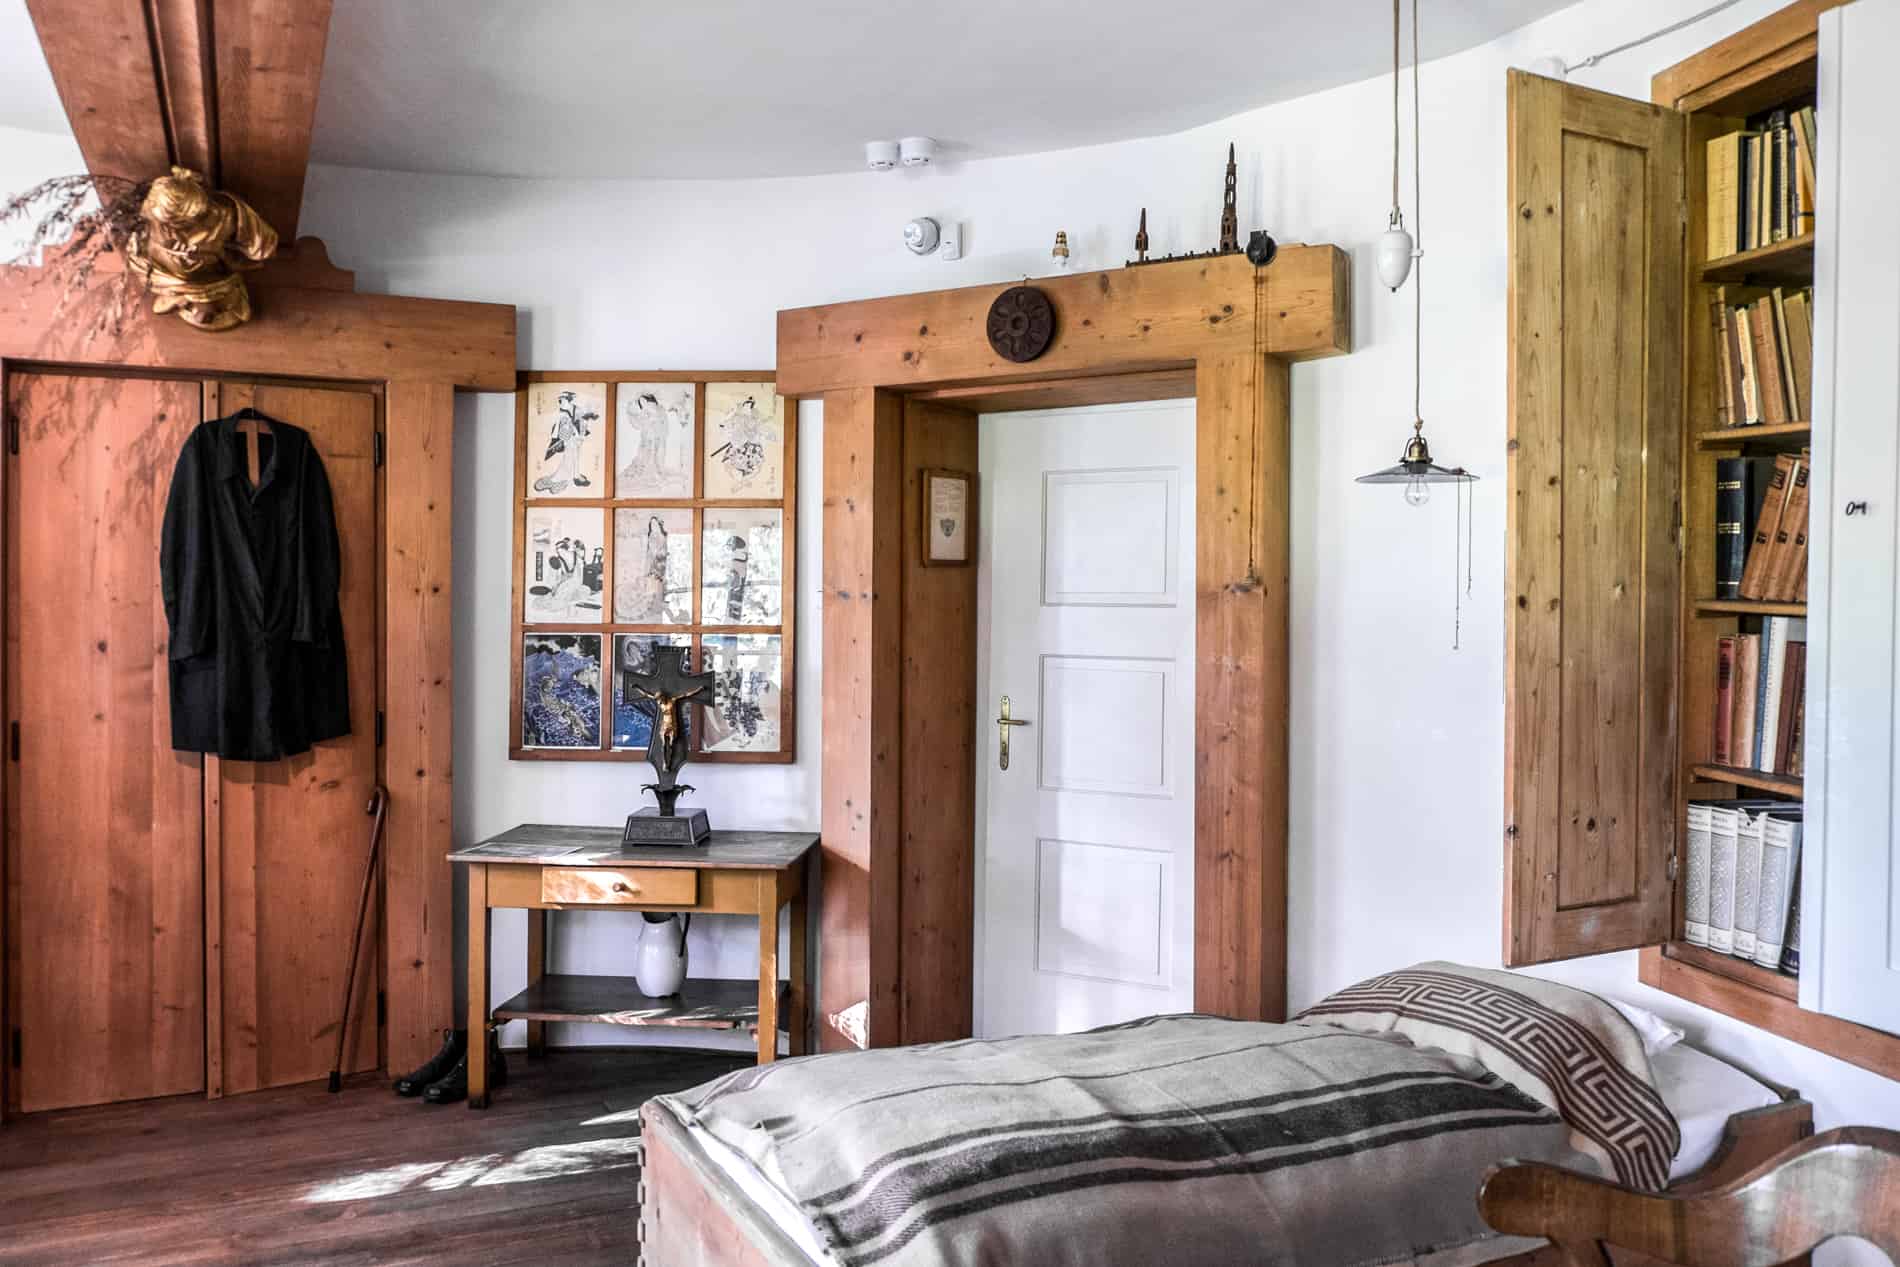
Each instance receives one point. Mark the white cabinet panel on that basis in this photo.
(1850, 916)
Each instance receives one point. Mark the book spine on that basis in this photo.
(1761, 323)
(1747, 882)
(1801, 352)
(1774, 501)
(1798, 737)
(1784, 355)
(1793, 688)
(1738, 379)
(1731, 512)
(1791, 940)
(1777, 225)
(1719, 751)
(1779, 838)
(1695, 906)
(1720, 154)
(1747, 670)
(1750, 369)
(1726, 414)
(1774, 635)
(1724, 834)
(1788, 559)
(1745, 186)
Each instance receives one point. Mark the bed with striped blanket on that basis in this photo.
(1357, 1134)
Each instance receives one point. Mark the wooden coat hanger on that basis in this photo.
(260, 423)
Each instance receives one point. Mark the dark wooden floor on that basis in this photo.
(296, 1175)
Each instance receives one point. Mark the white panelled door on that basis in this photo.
(1085, 598)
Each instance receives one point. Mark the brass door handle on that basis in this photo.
(1003, 722)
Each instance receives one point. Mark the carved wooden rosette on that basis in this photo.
(1022, 324)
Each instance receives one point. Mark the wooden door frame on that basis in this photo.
(311, 325)
(1217, 329)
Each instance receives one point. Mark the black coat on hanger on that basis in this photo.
(250, 576)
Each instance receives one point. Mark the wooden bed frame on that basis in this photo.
(692, 1214)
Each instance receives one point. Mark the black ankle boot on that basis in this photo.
(454, 1043)
(453, 1085)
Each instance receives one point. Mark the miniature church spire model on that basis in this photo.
(1229, 213)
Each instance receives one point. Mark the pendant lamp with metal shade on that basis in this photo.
(1415, 469)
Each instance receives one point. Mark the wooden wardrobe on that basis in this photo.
(174, 924)
(180, 923)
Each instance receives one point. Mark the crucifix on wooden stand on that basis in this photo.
(665, 690)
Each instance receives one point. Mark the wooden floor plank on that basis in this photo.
(546, 1175)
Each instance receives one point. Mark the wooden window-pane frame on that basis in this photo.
(607, 505)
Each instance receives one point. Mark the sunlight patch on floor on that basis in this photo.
(549, 1161)
(614, 1119)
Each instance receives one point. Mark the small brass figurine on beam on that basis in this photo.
(190, 247)
(665, 691)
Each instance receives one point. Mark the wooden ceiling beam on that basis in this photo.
(225, 87)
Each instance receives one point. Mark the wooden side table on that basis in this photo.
(542, 868)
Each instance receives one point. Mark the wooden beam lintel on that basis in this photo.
(315, 331)
(1119, 321)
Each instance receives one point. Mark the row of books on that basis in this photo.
(1764, 355)
(1761, 528)
(1761, 698)
(1761, 184)
(1744, 887)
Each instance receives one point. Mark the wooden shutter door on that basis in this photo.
(103, 859)
(289, 838)
(1597, 215)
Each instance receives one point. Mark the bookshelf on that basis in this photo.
(1769, 437)
(1790, 261)
(1733, 85)
(1732, 608)
(1755, 780)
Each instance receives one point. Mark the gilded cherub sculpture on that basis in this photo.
(190, 247)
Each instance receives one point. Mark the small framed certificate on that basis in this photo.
(949, 510)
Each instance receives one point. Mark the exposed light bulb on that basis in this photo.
(1417, 491)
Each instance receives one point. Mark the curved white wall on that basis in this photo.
(1397, 779)
(1397, 774)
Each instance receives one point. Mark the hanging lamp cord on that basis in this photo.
(1418, 220)
(1397, 216)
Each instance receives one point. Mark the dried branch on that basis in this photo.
(72, 223)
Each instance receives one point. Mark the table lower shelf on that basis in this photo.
(702, 1003)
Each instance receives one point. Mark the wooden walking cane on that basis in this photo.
(378, 808)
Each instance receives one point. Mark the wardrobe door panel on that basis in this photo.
(290, 837)
(104, 858)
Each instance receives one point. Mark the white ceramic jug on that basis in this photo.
(660, 965)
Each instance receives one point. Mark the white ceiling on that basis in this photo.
(715, 88)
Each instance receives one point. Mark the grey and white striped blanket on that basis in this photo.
(1175, 1139)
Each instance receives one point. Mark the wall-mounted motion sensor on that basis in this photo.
(917, 151)
(880, 156)
(922, 235)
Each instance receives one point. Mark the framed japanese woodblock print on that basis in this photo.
(652, 509)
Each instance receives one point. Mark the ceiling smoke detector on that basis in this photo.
(880, 156)
(917, 151)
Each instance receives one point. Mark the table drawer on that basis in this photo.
(603, 886)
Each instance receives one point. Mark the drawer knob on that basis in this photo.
(621, 886)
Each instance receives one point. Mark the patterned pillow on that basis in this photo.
(1561, 1046)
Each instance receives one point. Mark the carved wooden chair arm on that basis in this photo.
(1845, 1182)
